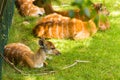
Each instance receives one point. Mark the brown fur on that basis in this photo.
(57, 26)
(27, 8)
(104, 25)
(21, 54)
(100, 9)
(49, 10)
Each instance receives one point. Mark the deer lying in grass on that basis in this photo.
(46, 4)
(27, 8)
(57, 26)
(100, 9)
(21, 54)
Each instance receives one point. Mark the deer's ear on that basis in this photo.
(41, 42)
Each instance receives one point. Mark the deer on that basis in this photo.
(99, 8)
(103, 23)
(46, 4)
(20, 54)
(27, 8)
(61, 27)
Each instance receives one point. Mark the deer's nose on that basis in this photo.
(58, 53)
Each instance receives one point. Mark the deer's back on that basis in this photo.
(17, 53)
(57, 26)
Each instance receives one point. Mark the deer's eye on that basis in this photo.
(53, 48)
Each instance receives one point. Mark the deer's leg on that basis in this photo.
(45, 64)
(29, 62)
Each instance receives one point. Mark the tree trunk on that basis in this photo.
(6, 13)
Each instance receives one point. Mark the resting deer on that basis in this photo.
(46, 4)
(99, 7)
(20, 54)
(57, 26)
(27, 8)
(101, 10)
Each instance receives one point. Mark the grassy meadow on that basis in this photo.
(102, 50)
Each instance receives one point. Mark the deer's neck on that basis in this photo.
(48, 9)
(39, 58)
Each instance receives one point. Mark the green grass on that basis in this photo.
(102, 50)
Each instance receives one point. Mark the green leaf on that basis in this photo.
(78, 3)
(96, 20)
(103, 17)
(87, 12)
(71, 13)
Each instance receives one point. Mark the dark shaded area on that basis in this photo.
(6, 13)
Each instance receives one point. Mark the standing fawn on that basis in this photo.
(57, 26)
(27, 8)
(21, 54)
(99, 8)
